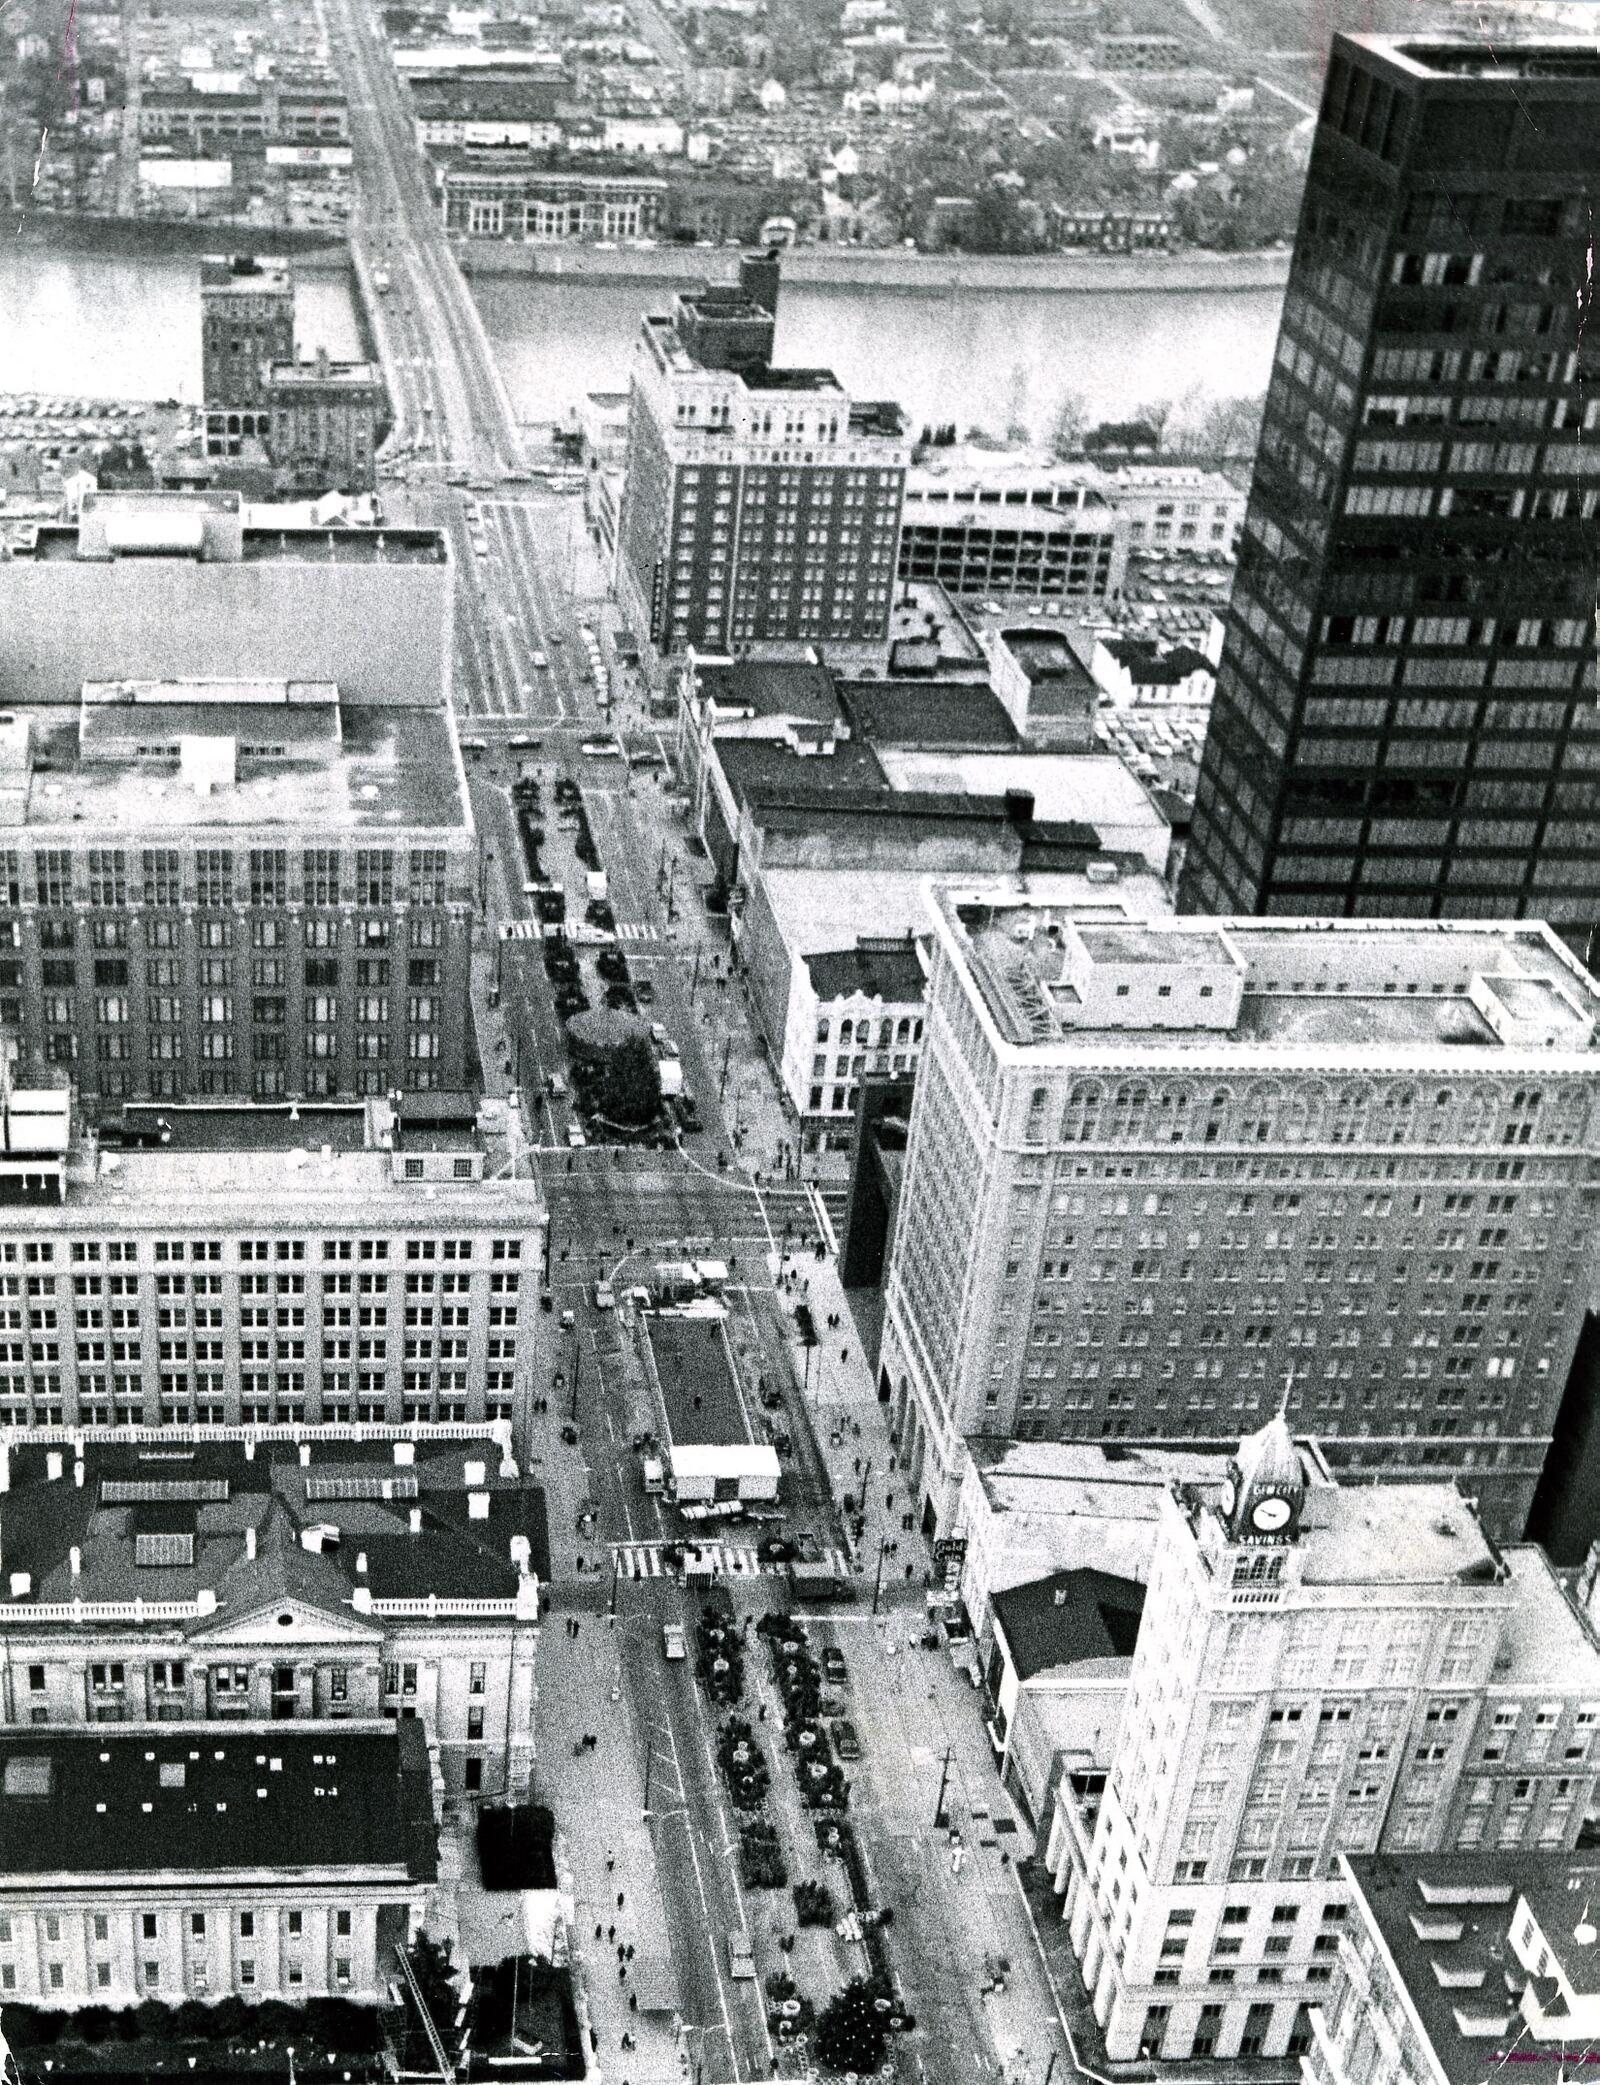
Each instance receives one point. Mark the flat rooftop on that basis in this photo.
(940, 715)
(770, 688)
(894, 975)
(58, 544)
(215, 1801)
(1070, 1480)
(1319, 984)
(166, 1523)
(699, 1381)
(1393, 1535)
(1069, 1618)
(1093, 789)
(1450, 1925)
(388, 770)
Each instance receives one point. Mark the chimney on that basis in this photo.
(249, 1451)
(477, 1505)
(361, 1599)
(250, 1543)
(475, 1473)
(305, 1455)
(77, 1474)
(21, 1584)
(405, 1454)
(361, 1563)
(53, 1465)
(416, 1520)
(322, 364)
(311, 1539)
(75, 1561)
(521, 1552)
(205, 1601)
(5, 1466)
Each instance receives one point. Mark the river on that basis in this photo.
(80, 323)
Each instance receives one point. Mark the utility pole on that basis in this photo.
(611, 1603)
(727, 1052)
(694, 981)
(941, 1816)
(672, 881)
(877, 1590)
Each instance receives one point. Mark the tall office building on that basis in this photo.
(759, 505)
(1156, 1170)
(246, 321)
(1405, 721)
(1319, 1673)
(326, 420)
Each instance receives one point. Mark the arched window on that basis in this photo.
(1261, 1113)
(846, 1032)
(1399, 1114)
(1440, 1116)
(1080, 1124)
(903, 1032)
(1351, 1106)
(1300, 1121)
(1130, 1114)
(1172, 1125)
(1038, 1101)
(1478, 1116)
(1218, 1108)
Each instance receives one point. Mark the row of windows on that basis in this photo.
(261, 876)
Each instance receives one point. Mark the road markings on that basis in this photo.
(637, 930)
(727, 1560)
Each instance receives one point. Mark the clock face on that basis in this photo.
(1229, 1495)
(1269, 1515)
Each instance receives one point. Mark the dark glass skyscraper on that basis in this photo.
(1405, 720)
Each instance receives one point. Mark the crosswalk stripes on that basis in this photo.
(637, 930)
(728, 1560)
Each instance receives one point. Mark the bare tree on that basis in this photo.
(1070, 424)
(1154, 414)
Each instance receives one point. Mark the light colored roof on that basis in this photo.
(1090, 788)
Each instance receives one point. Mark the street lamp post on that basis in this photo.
(877, 1589)
(577, 1356)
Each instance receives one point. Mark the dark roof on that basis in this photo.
(765, 770)
(223, 1496)
(1057, 843)
(948, 716)
(699, 1388)
(1121, 434)
(1046, 656)
(772, 688)
(893, 975)
(1068, 1617)
(215, 1801)
(1454, 1913)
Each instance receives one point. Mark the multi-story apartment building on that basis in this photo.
(221, 888)
(173, 586)
(325, 421)
(246, 321)
(259, 1266)
(165, 1867)
(1319, 1672)
(309, 1577)
(1405, 719)
(1445, 1960)
(509, 195)
(760, 505)
(1156, 1170)
(1168, 507)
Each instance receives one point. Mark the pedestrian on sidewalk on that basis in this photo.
(630, 1950)
(594, 2040)
(611, 1858)
(597, 1932)
(619, 1900)
(633, 2007)
(622, 1952)
(611, 1933)
(888, 1502)
(622, 1972)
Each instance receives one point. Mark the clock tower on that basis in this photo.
(1266, 1487)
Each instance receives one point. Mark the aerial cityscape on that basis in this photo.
(799, 1041)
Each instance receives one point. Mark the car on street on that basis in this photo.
(602, 749)
(741, 1961)
(575, 1136)
(644, 991)
(845, 1741)
(672, 1641)
(540, 661)
(605, 1296)
(557, 1085)
(834, 1668)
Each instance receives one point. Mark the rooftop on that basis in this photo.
(246, 274)
(1425, 987)
(1069, 1618)
(217, 1801)
(770, 688)
(1044, 655)
(379, 769)
(235, 1526)
(1466, 1933)
(1391, 1535)
(699, 1380)
(1093, 789)
(1072, 1480)
(322, 374)
(892, 974)
(943, 716)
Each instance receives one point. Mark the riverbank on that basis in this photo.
(888, 268)
(155, 238)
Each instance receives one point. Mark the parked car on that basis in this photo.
(644, 991)
(605, 1296)
(833, 1666)
(845, 1741)
(575, 1136)
(741, 1962)
(672, 1644)
(604, 749)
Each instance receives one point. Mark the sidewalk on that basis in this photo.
(851, 1427)
(598, 1801)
